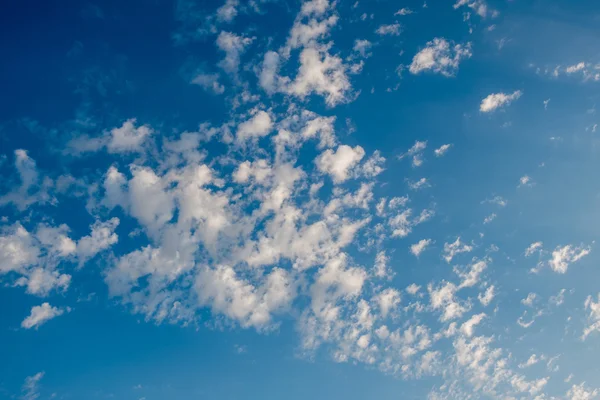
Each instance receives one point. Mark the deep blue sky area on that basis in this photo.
(316, 199)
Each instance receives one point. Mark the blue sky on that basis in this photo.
(273, 199)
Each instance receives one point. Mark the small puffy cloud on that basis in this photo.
(593, 309)
(256, 127)
(468, 327)
(454, 248)
(373, 166)
(533, 248)
(413, 289)
(339, 163)
(419, 247)
(532, 360)
(101, 238)
(32, 189)
(40, 315)
(314, 7)
(41, 281)
(478, 6)
(443, 149)
(227, 293)
(497, 200)
(562, 257)
(440, 56)
(418, 185)
(209, 82)
(471, 275)
(529, 300)
(387, 300)
(489, 218)
(389, 30)
(415, 152)
(308, 34)
(362, 47)
(322, 73)
(571, 69)
(525, 181)
(269, 78)
(128, 138)
(404, 11)
(495, 101)
(444, 298)
(582, 392)
(486, 297)
(228, 11)
(381, 268)
(233, 46)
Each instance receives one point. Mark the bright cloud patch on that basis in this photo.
(40, 315)
(498, 100)
(440, 56)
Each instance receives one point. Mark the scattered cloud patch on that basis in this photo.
(496, 101)
(440, 56)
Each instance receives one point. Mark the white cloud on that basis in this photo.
(308, 34)
(382, 269)
(256, 127)
(322, 73)
(532, 360)
(233, 46)
(486, 297)
(32, 189)
(228, 11)
(269, 79)
(209, 82)
(314, 7)
(41, 281)
(362, 47)
(535, 247)
(444, 298)
(226, 293)
(413, 289)
(581, 392)
(404, 11)
(125, 139)
(389, 30)
(40, 315)
(526, 181)
(417, 248)
(575, 68)
(497, 200)
(593, 316)
(420, 184)
(387, 300)
(495, 101)
(472, 273)
(440, 56)
(468, 327)
(480, 7)
(443, 149)
(128, 138)
(101, 238)
(373, 166)
(562, 257)
(528, 301)
(339, 163)
(30, 389)
(415, 152)
(489, 218)
(454, 248)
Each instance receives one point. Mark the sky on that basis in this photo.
(268, 199)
